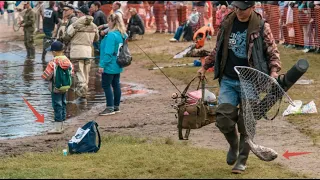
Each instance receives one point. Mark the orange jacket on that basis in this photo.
(61, 61)
(200, 36)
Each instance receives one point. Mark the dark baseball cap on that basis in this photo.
(243, 5)
(84, 9)
(55, 46)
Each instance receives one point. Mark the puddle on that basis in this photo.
(24, 80)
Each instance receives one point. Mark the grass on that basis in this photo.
(163, 55)
(129, 157)
(306, 123)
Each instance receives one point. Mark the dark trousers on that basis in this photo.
(178, 33)
(109, 82)
(59, 105)
(47, 32)
(134, 30)
(29, 39)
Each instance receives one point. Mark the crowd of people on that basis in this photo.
(76, 36)
(78, 31)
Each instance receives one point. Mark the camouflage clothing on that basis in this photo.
(62, 33)
(29, 28)
(81, 34)
(263, 53)
(198, 53)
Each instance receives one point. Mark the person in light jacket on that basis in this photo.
(108, 66)
(81, 34)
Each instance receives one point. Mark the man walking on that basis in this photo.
(240, 39)
(28, 25)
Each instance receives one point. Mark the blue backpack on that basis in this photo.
(84, 141)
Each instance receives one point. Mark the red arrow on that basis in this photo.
(287, 154)
(40, 117)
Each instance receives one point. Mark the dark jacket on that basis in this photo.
(50, 18)
(136, 21)
(263, 53)
(99, 18)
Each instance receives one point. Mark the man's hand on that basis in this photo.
(201, 71)
(274, 74)
(100, 71)
(102, 33)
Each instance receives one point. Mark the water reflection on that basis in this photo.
(24, 80)
(28, 70)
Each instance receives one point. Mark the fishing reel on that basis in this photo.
(174, 96)
(177, 104)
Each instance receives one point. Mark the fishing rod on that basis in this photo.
(157, 66)
(45, 63)
(42, 63)
(177, 65)
(84, 58)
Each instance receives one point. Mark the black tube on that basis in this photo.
(286, 82)
(294, 74)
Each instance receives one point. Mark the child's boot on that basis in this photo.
(58, 128)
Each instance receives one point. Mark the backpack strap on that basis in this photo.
(54, 74)
(99, 137)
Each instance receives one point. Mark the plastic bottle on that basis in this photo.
(65, 152)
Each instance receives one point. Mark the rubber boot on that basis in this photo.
(244, 150)
(32, 53)
(232, 138)
(58, 128)
(226, 118)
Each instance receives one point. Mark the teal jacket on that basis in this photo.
(108, 52)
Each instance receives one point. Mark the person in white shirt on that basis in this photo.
(116, 7)
(192, 21)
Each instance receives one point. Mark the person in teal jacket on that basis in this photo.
(108, 66)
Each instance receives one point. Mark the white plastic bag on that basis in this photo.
(293, 109)
(309, 108)
(196, 95)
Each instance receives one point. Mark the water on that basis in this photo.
(24, 80)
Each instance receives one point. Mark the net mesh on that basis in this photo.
(261, 96)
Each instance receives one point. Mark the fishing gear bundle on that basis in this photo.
(195, 109)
